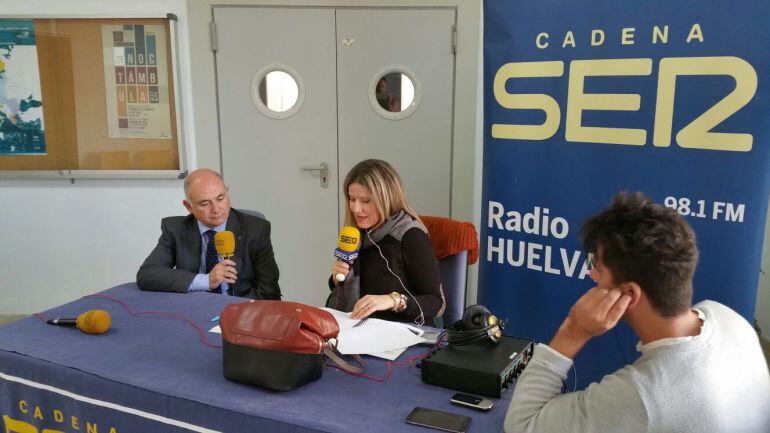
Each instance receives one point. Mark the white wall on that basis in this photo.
(763, 292)
(61, 240)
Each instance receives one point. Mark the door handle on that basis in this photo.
(323, 171)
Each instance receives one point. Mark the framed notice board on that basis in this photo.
(89, 98)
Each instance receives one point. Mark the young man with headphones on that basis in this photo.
(701, 368)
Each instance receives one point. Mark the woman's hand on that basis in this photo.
(371, 303)
(340, 267)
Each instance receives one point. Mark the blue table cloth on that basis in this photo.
(152, 373)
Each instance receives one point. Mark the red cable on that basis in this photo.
(390, 365)
(201, 331)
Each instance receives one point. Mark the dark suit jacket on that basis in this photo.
(175, 261)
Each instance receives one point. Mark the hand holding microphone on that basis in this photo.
(90, 322)
(346, 252)
(224, 271)
(340, 270)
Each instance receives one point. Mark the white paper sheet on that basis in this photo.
(373, 337)
(390, 355)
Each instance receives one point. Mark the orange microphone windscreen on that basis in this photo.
(94, 322)
(225, 243)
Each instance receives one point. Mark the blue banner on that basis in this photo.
(585, 99)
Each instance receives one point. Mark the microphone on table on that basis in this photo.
(225, 244)
(347, 251)
(90, 322)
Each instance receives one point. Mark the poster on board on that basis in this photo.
(21, 112)
(136, 80)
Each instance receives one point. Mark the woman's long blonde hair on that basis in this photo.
(385, 186)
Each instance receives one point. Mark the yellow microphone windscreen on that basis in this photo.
(94, 322)
(350, 239)
(225, 243)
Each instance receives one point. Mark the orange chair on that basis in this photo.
(457, 246)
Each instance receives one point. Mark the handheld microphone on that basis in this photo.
(347, 251)
(225, 244)
(90, 322)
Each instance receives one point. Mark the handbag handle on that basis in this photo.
(332, 353)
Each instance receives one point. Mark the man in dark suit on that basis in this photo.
(185, 259)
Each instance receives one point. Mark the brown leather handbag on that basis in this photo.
(278, 345)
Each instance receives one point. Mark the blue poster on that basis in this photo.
(585, 99)
(21, 113)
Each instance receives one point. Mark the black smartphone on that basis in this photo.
(439, 420)
(471, 401)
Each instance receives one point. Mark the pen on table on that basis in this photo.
(416, 331)
(215, 319)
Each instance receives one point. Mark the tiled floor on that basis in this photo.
(8, 318)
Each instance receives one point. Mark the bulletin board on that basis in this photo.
(106, 105)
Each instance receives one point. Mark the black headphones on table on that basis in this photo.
(478, 325)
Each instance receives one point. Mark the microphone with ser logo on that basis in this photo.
(90, 322)
(225, 244)
(347, 251)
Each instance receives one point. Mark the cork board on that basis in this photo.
(107, 96)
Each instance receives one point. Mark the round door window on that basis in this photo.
(394, 94)
(276, 92)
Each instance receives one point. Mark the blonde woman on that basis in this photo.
(396, 274)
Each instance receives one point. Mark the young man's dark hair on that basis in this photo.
(649, 244)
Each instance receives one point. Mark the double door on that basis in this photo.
(306, 93)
